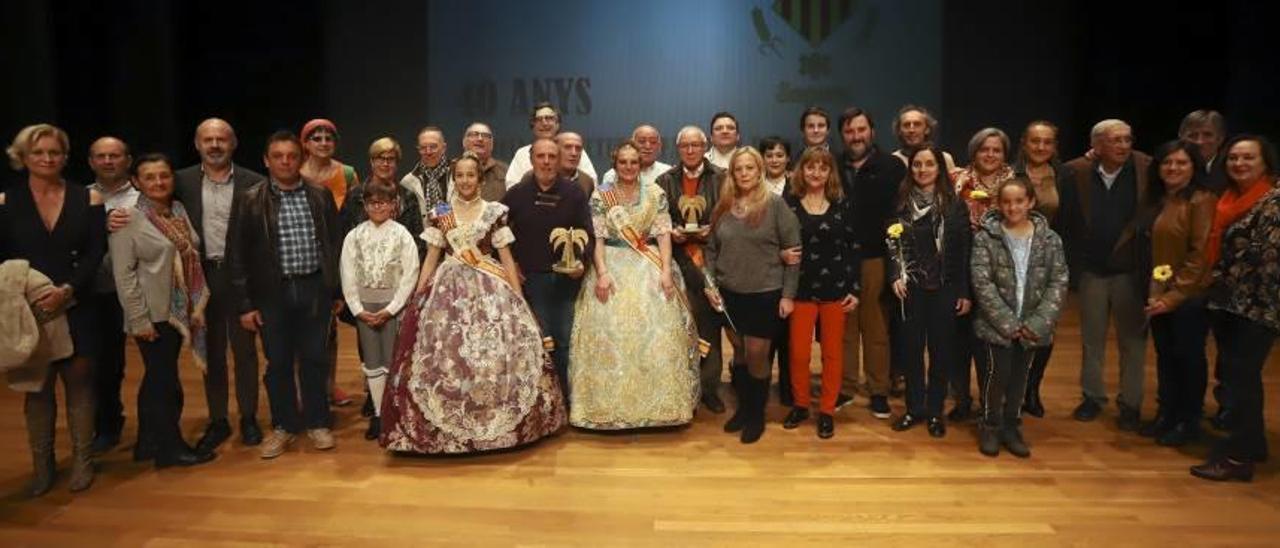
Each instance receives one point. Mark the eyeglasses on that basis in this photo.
(691, 146)
(321, 138)
(378, 204)
(546, 118)
(384, 159)
(482, 135)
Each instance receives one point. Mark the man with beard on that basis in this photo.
(915, 127)
(871, 178)
(209, 190)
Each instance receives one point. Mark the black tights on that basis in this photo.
(753, 352)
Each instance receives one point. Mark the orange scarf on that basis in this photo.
(1231, 207)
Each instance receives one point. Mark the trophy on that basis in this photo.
(692, 207)
(568, 240)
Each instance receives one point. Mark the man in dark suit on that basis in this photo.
(284, 239)
(208, 190)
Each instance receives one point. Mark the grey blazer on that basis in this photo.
(142, 261)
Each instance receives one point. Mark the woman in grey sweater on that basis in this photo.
(749, 281)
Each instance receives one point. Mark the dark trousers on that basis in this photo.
(709, 323)
(781, 349)
(552, 296)
(931, 324)
(1038, 366)
(1245, 345)
(223, 328)
(158, 398)
(968, 351)
(108, 365)
(1182, 371)
(1004, 383)
(295, 331)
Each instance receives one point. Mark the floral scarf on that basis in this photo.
(190, 294)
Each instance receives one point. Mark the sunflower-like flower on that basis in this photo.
(895, 230)
(1162, 273)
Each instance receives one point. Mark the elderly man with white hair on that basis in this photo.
(1100, 198)
(649, 141)
(697, 182)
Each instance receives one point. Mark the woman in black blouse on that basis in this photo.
(60, 229)
(828, 282)
(929, 248)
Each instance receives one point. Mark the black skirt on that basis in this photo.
(753, 314)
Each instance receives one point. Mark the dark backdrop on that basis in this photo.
(148, 71)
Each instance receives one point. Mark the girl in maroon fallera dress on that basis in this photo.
(469, 372)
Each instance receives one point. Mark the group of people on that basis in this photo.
(495, 302)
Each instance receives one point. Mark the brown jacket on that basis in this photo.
(1179, 236)
(1076, 187)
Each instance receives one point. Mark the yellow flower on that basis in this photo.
(1162, 273)
(979, 195)
(895, 230)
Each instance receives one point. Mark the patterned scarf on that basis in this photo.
(433, 180)
(190, 294)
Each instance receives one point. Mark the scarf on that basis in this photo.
(190, 294)
(1231, 207)
(433, 180)
(921, 203)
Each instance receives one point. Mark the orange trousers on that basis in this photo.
(803, 318)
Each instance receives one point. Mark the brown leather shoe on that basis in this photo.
(1224, 470)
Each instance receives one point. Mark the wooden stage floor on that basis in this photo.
(1086, 484)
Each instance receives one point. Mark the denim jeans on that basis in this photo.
(295, 331)
(552, 297)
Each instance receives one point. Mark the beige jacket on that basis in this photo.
(142, 259)
(27, 347)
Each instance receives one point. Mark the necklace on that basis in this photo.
(459, 200)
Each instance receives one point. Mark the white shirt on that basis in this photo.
(647, 175)
(124, 195)
(719, 160)
(1108, 179)
(379, 263)
(776, 187)
(520, 165)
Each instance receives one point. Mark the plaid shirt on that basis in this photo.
(298, 245)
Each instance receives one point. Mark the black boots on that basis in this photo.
(375, 428)
(988, 440)
(737, 376)
(217, 432)
(1031, 404)
(757, 396)
(1011, 437)
(753, 396)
